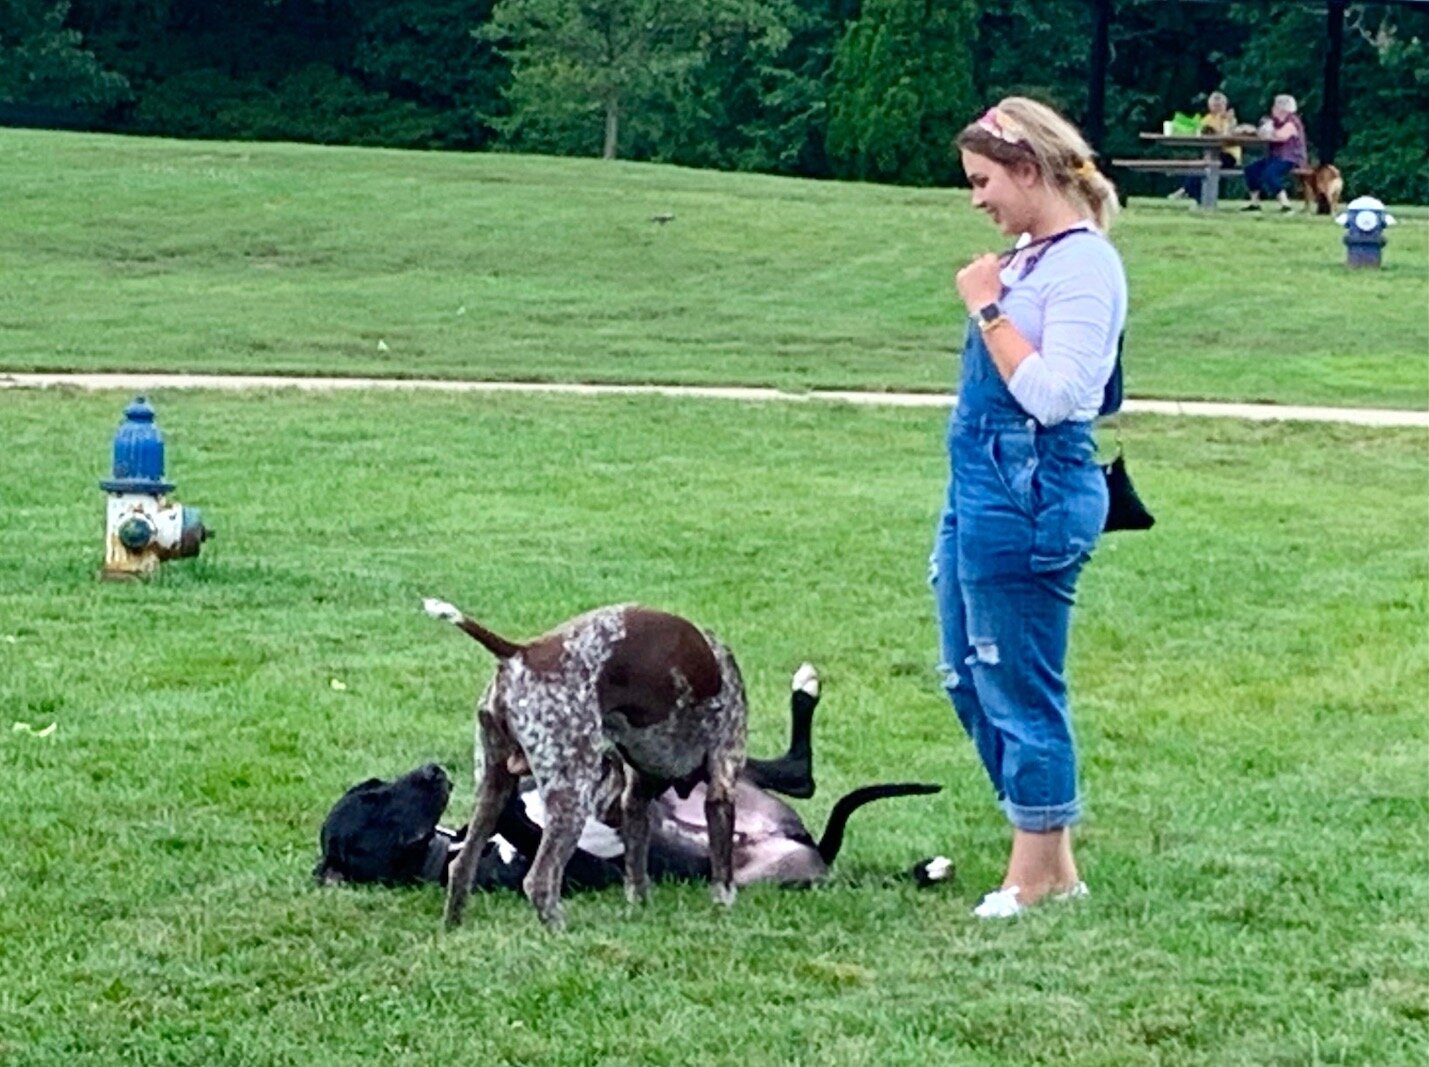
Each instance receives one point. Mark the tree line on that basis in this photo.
(869, 89)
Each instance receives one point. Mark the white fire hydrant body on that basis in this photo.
(142, 530)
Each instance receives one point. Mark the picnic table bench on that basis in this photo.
(1208, 167)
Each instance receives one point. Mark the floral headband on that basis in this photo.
(1007, 129)
(1002, 126)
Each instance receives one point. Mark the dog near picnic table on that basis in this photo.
(1322, 187)
(388, 831)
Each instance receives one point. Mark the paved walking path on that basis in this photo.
(139, 382)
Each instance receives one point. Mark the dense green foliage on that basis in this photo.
(872, 89)
(901, 80)
(45, 66)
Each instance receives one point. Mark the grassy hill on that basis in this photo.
(124, 253)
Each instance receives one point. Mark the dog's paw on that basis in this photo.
(637, 894)
(806, 680)
(440, 609)
(932, 871)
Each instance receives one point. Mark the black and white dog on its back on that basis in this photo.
(387, 831)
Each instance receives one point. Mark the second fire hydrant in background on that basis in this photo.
(142, 528)
(1365, 221)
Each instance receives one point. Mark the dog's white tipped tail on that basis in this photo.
(933, 872)
(440, 609)
(806, 680)
(497, 646)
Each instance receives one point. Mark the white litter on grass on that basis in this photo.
(9, 639)
(337, 685)
(26, 728)
(381, 346)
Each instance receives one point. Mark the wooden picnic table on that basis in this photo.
(1207, 167)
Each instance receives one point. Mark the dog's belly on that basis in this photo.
(757, 815)
(596, 838)
(778, 860)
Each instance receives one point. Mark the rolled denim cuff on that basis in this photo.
(1042, 820)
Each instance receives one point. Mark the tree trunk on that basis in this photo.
(612, 128)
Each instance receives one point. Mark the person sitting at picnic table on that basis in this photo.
(1286, 134)
(1219, 120)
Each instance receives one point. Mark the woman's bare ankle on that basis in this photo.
(1040, 864)
(1030, 892)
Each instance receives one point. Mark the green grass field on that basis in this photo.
(1249, 678)
(125, 253)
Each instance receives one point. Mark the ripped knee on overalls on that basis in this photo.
(952, 679)
(984, 652)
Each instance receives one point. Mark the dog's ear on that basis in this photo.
(365, 787)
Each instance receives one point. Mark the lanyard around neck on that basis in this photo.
(1037, 249)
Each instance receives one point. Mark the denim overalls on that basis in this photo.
(1025, 507)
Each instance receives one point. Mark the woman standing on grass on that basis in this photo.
(1027, 500)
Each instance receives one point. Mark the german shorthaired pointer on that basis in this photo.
(613, 707)
(387, 832)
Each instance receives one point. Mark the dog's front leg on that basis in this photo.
(635, 835)
(497, 785)
(719, 818)
(565, 818)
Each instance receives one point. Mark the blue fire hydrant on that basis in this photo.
(142, 528)
(1365, 220)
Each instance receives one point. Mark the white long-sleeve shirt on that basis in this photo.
(1071, 308)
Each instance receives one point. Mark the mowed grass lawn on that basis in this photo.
(1249, 677)
(135, 254)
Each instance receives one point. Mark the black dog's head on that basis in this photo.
(383, 831)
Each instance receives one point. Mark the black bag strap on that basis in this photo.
(1114, 392)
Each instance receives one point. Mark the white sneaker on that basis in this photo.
(1077, 892)
(1177, 194)
(1000, 904)
(1003, 903)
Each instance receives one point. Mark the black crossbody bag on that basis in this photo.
(1126, 510)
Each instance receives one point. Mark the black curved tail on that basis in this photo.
(847, 804)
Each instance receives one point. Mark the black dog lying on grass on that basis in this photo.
(387, 831)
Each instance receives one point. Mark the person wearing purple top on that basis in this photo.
(1026, 499)
(1286, 133)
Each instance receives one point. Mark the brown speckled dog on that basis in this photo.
(618, 704)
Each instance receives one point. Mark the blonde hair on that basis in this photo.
(1217, 95)
(1019, 130)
